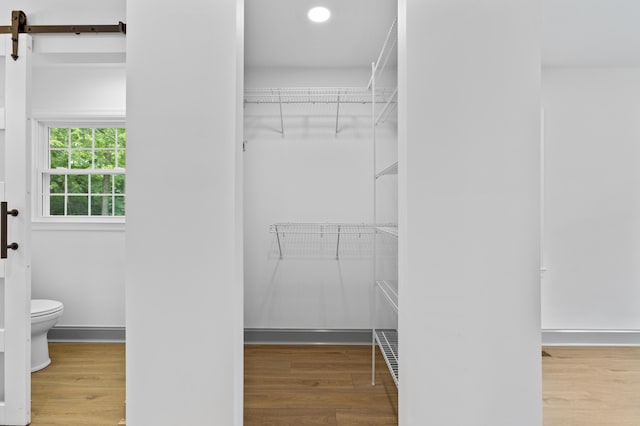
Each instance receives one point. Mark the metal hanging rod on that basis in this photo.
(19, 26)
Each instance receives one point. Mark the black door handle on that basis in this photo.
(4, 213)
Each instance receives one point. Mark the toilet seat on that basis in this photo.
(42, 307)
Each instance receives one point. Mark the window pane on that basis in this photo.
(81, 138)
(59, 159)
(58, 138)
(101, 206)
(119, 184)
(56, 205)
(101, 184)
(78, 184)
(122, 138)
(80, 159)
(122, 158)
(105, 138)
(105, 159)
(77, 205)
(56, 184)
(119, 206)
(83, 150)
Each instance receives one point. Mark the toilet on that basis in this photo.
(44, 315)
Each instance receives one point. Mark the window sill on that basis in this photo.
(55, 224)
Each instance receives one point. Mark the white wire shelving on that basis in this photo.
(318, 96)
(387, 340)
(389, 289)
(391, 230)
(314, 95)
(389, 106)
(385, 320)
(388, 50)
(391, 170)
(321, 228)
(322, 240)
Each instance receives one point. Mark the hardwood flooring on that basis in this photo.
(331, 385)
(84, 386)
(316, 385)
(591, 386)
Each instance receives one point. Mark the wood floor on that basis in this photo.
(316, 385)
(331, 385)
(84, 386)
(591, 386)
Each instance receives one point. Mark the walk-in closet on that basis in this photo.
(320, 157)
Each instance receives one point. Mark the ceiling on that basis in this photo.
(574, 33)
(278, 33)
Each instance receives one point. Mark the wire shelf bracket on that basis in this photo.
(388, 230)
(385, 53)
(391, 170)
(19, 26)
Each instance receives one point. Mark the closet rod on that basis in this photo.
(19, 26)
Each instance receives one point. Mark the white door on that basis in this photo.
(15, 269)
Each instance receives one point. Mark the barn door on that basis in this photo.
(15, 262)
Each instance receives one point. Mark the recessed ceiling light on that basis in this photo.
(319, 14)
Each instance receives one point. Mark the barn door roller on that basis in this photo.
(19, 26)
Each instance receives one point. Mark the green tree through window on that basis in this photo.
(86, 174)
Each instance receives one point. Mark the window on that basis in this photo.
(83, 171)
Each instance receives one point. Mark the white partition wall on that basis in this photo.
(184, 212)
(469, 87)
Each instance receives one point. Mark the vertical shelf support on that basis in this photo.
(281, 119)
(337, 113)
(278, 238)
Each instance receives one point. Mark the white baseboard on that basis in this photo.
(591, 337)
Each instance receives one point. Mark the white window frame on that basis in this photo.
(40, 165)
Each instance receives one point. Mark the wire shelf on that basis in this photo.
(389, 107)
(321, 228)
(388, 342)
(389, 289)
(391, 230)
(391, 170)
(322, 240)
(315, 95)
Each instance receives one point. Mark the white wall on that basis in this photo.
(309, 175)
(184, 214)
(592, 198)
(83, 268)
(85, 271)
(469, 116)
